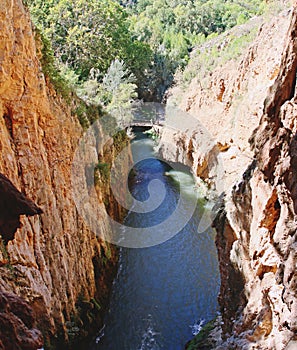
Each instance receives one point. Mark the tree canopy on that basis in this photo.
(90, 34)
(152, 38)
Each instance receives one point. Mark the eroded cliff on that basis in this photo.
(53, 261)
(256, 217)
(262, 214)
(226, 97)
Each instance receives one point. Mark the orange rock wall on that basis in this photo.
(265, 250)
(55, 260)
(249, 107)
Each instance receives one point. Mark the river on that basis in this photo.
(162, 294)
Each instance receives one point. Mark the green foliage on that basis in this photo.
(119, 84)
(3, 249)
(191, 17)
(215, 52)
(116, 91)
(96, 304)
(65, 81)
(123, 97)
(6, 257)
(87, 113)
(91, 34)
(86, 314)
(172, 28)
(95, 41)
(89, 90)
(49, 66)
(201, 340)
(71, 78)
(153, 134)
(104, 170)
(80, 111)
(116, 75)
(120, 141)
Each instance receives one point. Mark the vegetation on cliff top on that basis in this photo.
(148, 39)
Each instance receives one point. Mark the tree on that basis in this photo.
(152, 37)
(90, 34)
(116, 91)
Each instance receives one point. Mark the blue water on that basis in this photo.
(163, 293)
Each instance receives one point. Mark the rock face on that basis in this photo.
(13, 203)
(53, 261)
(228, 100)
(16, 316)
(256, 219)
(17, 324)
(262, 214)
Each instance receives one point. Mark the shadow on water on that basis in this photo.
(161, 293)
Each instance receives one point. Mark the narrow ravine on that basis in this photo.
(163, 293)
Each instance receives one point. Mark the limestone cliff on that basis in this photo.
(53, 261)
(256, 218)
(261, 213)
(227, 98)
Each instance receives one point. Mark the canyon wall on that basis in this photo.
(227, 100)
(261, 213)
(53, 262)
(248, 107)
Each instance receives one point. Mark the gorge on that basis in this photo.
(56, 274)
(162, 293)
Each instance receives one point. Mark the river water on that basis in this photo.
(161, 294)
